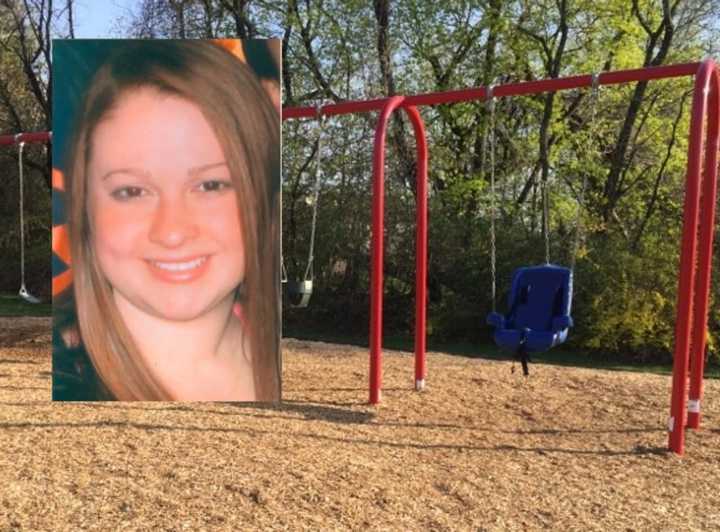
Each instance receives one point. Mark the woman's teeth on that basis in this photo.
(179, 266)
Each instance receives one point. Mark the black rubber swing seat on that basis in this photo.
(299, 293)
(27, 296)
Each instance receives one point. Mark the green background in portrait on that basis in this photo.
(74, 64)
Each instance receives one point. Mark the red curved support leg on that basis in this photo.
(688, 255)
(707, 227)
(421, 238)
(378, 228)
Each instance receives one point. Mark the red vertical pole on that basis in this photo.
(421, 237)
(378, 242)
(686, 277)
(707, 229)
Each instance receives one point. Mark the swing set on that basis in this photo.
(540, 296)
(21, 139)
(299, 291)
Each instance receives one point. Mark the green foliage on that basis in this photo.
(626, 303)
(627, 262)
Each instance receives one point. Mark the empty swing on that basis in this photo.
(540, 299)
(299, 292)
(23, 292)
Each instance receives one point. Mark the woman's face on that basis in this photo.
(163, 210)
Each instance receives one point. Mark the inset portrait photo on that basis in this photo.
(166, 205)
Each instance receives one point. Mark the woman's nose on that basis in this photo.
(172, 223)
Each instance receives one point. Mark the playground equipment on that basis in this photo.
(540, 297)
(23, 292)
(698, 224)
(20, 140)
(299, 292)
(539, 315)
(698, 218)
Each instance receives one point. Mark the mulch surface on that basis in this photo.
(480, 449)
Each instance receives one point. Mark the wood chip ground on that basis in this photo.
(480, 449)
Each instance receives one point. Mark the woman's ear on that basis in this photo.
(239, 312)
(237, 308)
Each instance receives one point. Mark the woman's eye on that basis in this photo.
(126, 193)
(214, 185)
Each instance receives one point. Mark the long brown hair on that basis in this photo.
(247, 126)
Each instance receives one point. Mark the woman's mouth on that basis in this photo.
(179, 271)
(179, 266)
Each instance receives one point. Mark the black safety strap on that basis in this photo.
(523, 356)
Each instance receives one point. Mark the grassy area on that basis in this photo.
(559, 356)
(12, 305)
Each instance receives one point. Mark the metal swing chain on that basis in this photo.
(310, 270)
(22, 217)
(581, 196)
(490, 99)
(546, 220)
(283, 270)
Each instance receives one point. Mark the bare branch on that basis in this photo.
(71, 22)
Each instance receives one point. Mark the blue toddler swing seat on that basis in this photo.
(539, 317)
(540, 297)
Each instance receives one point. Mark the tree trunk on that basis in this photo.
(613, 191)
(398, 136)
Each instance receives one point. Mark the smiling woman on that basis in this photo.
(171, 185)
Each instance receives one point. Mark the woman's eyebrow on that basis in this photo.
(199, 169)
(144, 174)
(131, 171)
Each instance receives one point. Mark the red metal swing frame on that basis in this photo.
(699, 216)
(698, 222)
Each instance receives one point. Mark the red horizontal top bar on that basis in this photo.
(462, 95)
(511, 89)
(36, 136)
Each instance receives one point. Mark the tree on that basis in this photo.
(30, 26)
